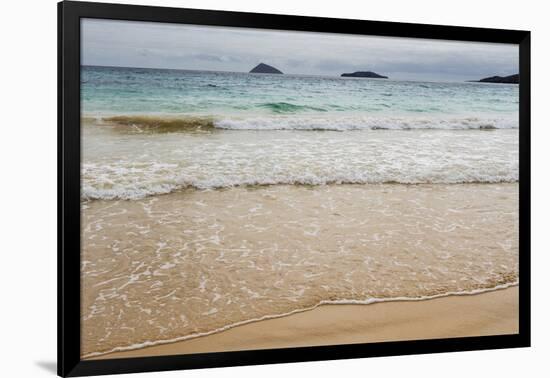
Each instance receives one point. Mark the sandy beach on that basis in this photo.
(225, 207)
(491, 313)
(191, 264)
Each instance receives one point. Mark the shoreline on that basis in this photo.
(490, 312)
(221, 274)
(190, 189)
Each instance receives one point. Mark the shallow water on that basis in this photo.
(181, 265)
(266, 99)
(118, 164)
(213, 199)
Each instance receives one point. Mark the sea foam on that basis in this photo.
(128, 166)
(364, 122)
(313, 122)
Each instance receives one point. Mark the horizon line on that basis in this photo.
(293, 74)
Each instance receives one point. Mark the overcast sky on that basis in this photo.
(159, 45)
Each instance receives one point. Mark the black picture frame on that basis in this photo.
(69, 15)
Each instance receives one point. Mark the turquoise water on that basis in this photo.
(209, 130)
(240, 100)
(159, 268)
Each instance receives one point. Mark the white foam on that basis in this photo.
(145, 188)
(366, 122)
(273, 316)
(125, 170)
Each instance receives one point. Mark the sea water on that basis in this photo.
(213, 199)
(285, 129)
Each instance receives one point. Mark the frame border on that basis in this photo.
(68, 196)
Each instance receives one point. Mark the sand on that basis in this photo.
(194, 262)
(180, 265)
(490, 313)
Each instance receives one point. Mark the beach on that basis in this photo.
(194, 263)
(492, 313)
(219, 215)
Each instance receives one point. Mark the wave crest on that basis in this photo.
(364, 122)
(314, 122)
(152, 183)
(151, 124)
(285, 107)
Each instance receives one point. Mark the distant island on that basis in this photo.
(265, 69)
(367, 74)
(512, 79)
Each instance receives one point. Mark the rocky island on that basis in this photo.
(265, 69)
(512, 79)
(365, 74)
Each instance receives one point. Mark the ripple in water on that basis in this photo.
(191, 263)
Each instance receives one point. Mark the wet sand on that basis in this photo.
(179, 266)
(490, 313)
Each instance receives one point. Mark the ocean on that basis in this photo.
(212, 199)
(275, 129)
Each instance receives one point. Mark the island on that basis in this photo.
(364, 74)
(512, 79)
(265, 69)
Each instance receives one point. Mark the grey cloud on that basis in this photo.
(140, 44)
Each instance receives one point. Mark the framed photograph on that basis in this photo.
(240, 188)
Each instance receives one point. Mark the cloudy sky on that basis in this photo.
(158, 45)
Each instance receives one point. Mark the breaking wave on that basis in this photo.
(132, 182)
(330, 122)
(152, 124)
